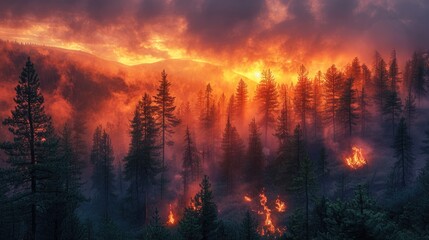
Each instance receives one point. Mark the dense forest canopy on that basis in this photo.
(341, 154)
(214, 119)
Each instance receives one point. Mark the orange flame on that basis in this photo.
(280, 205)
(356, 160)
(171, 219)
(247, 198)
(193, 206)
(268, 223)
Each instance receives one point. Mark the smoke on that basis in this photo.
(235, 33)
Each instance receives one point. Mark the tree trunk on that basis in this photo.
(33, 163)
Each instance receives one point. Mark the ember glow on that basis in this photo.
(280, 205)
(171, 219)
(247, 198)
(356, 160)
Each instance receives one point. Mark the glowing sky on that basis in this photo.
(245, 35)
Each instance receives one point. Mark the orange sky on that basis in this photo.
(243, 35)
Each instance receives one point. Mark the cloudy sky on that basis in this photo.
(243, 34)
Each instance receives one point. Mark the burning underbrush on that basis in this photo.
(271, 211)
(356, 159)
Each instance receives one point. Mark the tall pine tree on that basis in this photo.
(364, 100)
(393, 105)
(266, 97)
(380, 81)
(332, 87)
(164, 105)
(303, 98)
(103, 177)
(402, 172)
(33, 134)
(418, 73)
(200, 220)
(232, 151)
(191, 164)
(316, 105)
(347, 111)
(142, 161)
(254, 164)
(241, 98)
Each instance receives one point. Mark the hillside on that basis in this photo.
(101, 91)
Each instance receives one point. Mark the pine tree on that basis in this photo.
(284, 119)
(68, 196)
(189, 225)
(207, 116)
(394, 74)
(332, 86)
(417, 82)
(407, 77)
(356, 90)
(232, 151)
(191, 165)
(32, 130)
(393, 109)
(316, 105)
(164, 106)
(303, 98)
(255, 157)
(393, 104)
(304, 185)
(156, 229)
(241, 99)
(380, 80)
(410, 111)
(364, 100)
(290, 159)
(283, 165)
(231, 108)
(355, 71)
(208, 123)
(224, 107)
(103, 177)
(200, 219)
(266, 97)
(142, 161)
(79, 132)
(249, 227)
(402, 172)
(208, 209)
(347, 111)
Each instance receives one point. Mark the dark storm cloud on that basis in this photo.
(225, 27)
(223, 22)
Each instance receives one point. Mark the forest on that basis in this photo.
(342, 154)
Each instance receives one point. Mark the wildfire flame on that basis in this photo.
(280, 205)
(171, 219)
(268, 226)
(356, 160)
